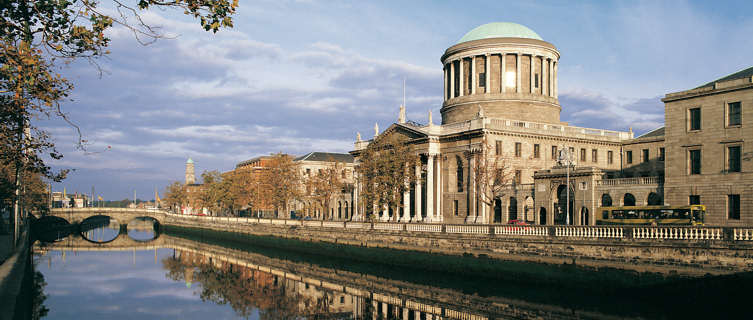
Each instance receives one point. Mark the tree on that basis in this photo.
(175, 195)
(39, 36)
(490, 173)
(282, 179)
(385, 172)
(322, 186)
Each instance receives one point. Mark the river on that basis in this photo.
(106, 273)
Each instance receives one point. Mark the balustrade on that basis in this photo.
(742, 234)
(614, 232)
(388, 226)
(477, 229)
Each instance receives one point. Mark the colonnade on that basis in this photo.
(547, 68)
(383, 309)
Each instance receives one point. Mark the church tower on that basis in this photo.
(190, 173)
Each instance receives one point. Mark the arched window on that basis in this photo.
(628, 200)
(459, 173)
(542, 216)
(339, 210)
(606, 200)
(654, 199)
(346, 210)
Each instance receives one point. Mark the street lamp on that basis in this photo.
(566, 159)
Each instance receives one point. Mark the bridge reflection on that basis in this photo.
(96, 229)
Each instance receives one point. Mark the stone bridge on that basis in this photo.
(75, 242)
(122, 215)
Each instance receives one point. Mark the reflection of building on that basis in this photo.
(501, 97)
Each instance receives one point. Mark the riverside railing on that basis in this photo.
(681, 233)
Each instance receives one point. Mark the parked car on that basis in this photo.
(518, 222)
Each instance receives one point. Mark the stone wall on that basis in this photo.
(642, 249)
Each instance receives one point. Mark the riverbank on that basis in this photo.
(716, 254)
(13, 272)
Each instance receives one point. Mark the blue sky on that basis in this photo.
(301, 76)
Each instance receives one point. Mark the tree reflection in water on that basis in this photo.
(246, 289)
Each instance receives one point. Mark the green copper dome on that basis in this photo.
(500, 30)
(189, 160)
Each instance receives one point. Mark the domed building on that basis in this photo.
(500, 98)
(500, 103)
(504, 68)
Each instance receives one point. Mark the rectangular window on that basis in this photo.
(572, 151)
(517, 149)
(498, 148)
(536, 80)
(695, 161)
(482, 79)
(733, 206)
(734, 114)
(694, 199)
(455, 207)
(610, 157)
(536, 153)
(518, 176)
(594, 155)
(629, 157)
(661, 154)
(582, 155)
(694, 116)
(554, 152)
(644, 155)
(733, 159)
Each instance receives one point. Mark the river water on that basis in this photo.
(106, 273)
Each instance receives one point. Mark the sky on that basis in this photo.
(307, 75)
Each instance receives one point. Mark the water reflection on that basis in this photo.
(100, 229)
(143, 229)
(180, 275)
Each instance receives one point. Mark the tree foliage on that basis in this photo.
(175, 195)
(38, 37)
(324, 184)
(491, 173)
(281, 180)
(386, 169)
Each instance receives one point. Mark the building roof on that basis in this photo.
(189, 160)
(747, 73)
(326, 156)
(500, 30)
(658, 132)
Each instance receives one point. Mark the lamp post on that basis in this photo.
(565, 159)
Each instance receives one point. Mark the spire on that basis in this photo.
(401, 117)
(376, 129)
(431, 121)
(358, 137)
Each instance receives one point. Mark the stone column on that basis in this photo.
(533, 58)
(355, 199)
(440, 198)
(502, 82)
(418, 216)
(376, 309)
(518, 88)
(460, 78)
(444, 82)
(544, 79)
(430, 188)
(487, 71)
(452, 79)
(556, 73)
(405, 314)
(549, 78)
(471, 192)
(417, 315)
(429, 316)
(473, 75)
(384, 310)
(406, 205)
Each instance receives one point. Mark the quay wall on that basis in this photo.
(681, 250)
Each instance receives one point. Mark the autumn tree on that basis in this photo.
(38, 37)
(282, 178)
(385, 172)
(490, 173)
(324, 184)
(175, 195)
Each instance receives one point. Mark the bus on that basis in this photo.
(652, 215)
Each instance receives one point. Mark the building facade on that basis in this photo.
(500, 96)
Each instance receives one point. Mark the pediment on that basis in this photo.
(403, 132)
